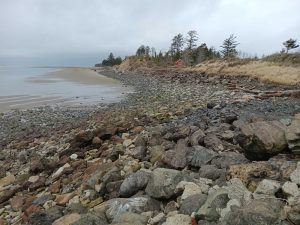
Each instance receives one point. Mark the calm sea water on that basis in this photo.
(18, 91)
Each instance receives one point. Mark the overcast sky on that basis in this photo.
(82, 32)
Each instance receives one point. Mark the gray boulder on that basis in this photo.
(192, 204)
(259, 211)
(262, 140)
(199, 156)
(226, 159)
(163, 182)
(134, 182)
(118, 206)
(213, 206)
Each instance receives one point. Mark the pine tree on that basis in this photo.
(191, 39)
(177, 46)
(290, 44)
(229, 47)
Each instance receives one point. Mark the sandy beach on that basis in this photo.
(66, 87)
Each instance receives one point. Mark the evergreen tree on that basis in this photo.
(290, 44)
(229, 47)
(191, 39)
(177, 46)
(111, 60)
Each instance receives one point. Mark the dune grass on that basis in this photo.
(263, 70)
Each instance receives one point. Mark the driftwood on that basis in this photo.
(268, 94)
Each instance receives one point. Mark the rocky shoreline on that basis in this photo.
(183, 149)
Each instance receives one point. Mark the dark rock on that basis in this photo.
(40, 218)
(226, 159)
(197, 138)
(170, 207)
(262, 140)
(55, 212)
(139, 152)
(211, 172)
(163, 182)
(211, 105)
(192, 204)
(38, 184)
(134, 182)
(7, 195)
(230, 118)
(199, 156)
(259, 211)
(179, 160)
(113, 186)
(41, 200)
(90, 219)
(76, 208)
(211, 141)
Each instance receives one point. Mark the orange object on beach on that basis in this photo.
(180, 62)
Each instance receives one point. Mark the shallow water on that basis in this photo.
(27, 87)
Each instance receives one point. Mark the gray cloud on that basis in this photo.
(42, 31)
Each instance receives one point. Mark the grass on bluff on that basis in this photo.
(277, 68)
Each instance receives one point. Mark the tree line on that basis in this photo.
(186, 48)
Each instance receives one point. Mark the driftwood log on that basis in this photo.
(268, 94)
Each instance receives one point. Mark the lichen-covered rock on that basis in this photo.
(262, 140)
(252, 173)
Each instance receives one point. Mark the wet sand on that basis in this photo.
(107, 90)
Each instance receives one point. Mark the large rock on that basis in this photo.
(199, 156)
(192, 203)
(267, 187)
(258, 211)
(179, 160)
(134, 182)
(262, 140)
(292, 135)
(163, 182)
(226, 159)
(216, 201)
(118, 206)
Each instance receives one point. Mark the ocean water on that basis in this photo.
(27, 87)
